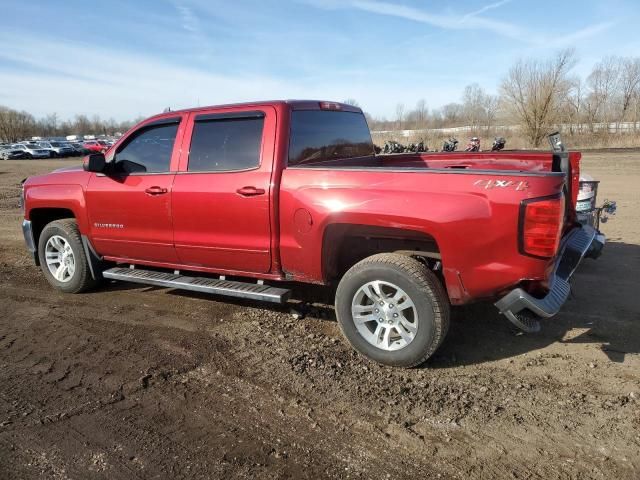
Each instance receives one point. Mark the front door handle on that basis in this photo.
(156, 190)
(250, 191)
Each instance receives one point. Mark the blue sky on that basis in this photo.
(124, 59)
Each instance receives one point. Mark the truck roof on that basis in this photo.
(293, 104)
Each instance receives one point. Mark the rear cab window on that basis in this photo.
(323, 136)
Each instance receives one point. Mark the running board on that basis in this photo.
(252, 291)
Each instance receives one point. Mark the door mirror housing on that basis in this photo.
(94, 163)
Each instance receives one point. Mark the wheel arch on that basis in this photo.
(345, 244)
(41, 217)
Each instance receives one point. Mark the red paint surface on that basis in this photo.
(202, 223)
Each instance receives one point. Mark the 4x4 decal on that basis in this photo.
(492, 183)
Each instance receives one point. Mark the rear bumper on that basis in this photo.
(524, 310)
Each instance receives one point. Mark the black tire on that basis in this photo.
(81, 280)
(420, 284)
(28, 156)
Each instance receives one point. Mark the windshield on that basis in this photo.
(321, 135)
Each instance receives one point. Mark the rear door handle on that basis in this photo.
(250, 191)
(156, 190)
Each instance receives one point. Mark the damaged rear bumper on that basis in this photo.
(524, 310)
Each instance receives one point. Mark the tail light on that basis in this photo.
(541, 222)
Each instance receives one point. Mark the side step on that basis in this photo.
(200, 284)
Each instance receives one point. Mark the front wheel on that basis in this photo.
(62, 257)
(393, 309)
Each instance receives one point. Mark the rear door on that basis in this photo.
(221, 195)
(130, 206)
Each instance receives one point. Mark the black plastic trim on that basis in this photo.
(162, 121)
(206, 117)
(95, 261)
(453, 171)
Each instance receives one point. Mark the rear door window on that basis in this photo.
(226, 142)
(323, 135)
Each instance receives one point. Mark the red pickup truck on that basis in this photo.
(241, 199)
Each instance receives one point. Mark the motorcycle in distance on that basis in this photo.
(473, 145)
(391, 146)
(498, 144)
(450, 145)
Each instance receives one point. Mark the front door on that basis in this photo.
(130, 204)
(221, 195)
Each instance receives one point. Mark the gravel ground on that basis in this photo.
(140, 382)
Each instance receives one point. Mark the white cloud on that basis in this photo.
(486, 8)
(469, 21)
(189, 21)
(96, 80)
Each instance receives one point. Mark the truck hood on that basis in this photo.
(74, 168)
(74, 175)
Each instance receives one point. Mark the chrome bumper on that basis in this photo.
(524, 310)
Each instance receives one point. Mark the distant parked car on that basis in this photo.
(58, 149)
(105, 143)
(95, 146)
(32, 150)
(67, 145)
(9, 153)
(80, 148)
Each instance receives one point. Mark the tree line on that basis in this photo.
(19, 125)
(538, 96)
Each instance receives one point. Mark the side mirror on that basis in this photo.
(94, 163)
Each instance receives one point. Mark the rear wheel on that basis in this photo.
(62, 257)
(393, 309)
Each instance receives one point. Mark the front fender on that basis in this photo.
(68, 197)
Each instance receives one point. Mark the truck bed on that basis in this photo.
(516, 160)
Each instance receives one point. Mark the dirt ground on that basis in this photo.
(134, 382)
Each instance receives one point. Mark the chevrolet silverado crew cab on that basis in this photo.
(242, 200)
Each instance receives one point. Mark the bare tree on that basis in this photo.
(82, 125)
(473, 102)
(629, 84)
(15, 125)
(603, 82)
(533, 89)
(421, 113)
(574, 105)
(400, 115)
(452, 114)
(352, 102)
(479, 108)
